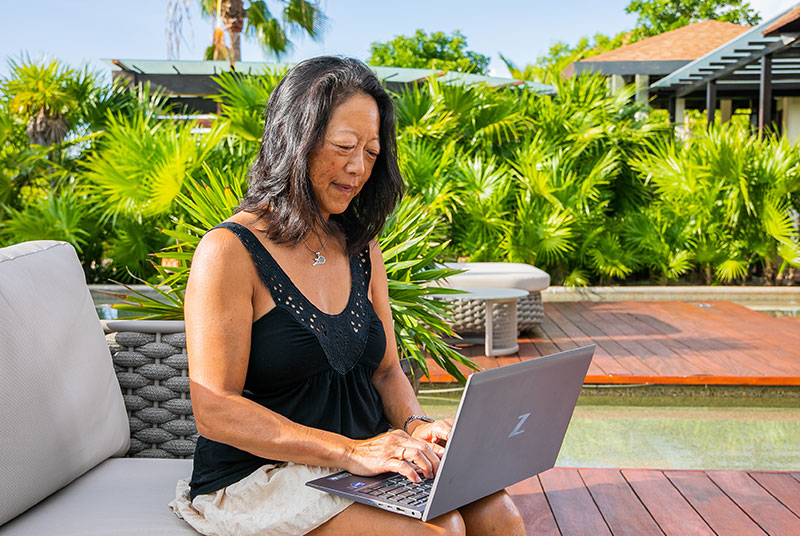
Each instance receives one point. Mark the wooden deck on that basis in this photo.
(575, 502)
(712, 343)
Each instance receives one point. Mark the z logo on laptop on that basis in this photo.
(518, 430)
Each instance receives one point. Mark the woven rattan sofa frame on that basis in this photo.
(153, 372)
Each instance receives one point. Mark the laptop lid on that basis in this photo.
(509, 426)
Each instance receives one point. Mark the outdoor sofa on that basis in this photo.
(63, 418)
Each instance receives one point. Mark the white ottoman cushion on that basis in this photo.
(61, 408)
(498, 275)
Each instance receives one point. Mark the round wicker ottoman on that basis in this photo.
(498, 326)
(469, 315)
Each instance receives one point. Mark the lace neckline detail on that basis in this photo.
(342, 335)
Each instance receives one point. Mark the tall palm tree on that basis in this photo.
(254, 19)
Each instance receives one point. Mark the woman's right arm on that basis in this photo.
(219, 315)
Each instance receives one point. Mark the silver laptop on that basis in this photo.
(509, 426)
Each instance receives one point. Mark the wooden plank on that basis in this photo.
(563, 342)
(556, 334)
(670, 510)
(752, 330)
(781, 486)
(717, 509)
(706, 350)
(573, 507)
(618, 504)
(654, 355)
(772, 516)
(662, 343)
(609, 366)
(765, 331)
(532, 504)
(588, 334)
(710, 339)
(660, 333)
(715, 339)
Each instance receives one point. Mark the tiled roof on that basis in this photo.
(684, 43)
(784, 23)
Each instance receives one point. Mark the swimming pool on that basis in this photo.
(613, 434)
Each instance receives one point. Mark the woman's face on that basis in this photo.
(343, 161)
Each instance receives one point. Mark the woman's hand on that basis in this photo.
(393, 451)
(434, 433)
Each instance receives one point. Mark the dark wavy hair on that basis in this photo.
(297, 115)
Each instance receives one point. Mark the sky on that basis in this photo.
(86, 31)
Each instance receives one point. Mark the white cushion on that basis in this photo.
(61, 409)
(120, 497)
(498, 274)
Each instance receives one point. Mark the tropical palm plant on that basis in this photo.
(44, 93)
(253, 19)
(728, 196)
(139, 164)
(67, 216)
(243, 99)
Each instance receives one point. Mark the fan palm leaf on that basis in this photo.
(141, 164)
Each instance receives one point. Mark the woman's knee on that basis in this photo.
(495, 514)
(451, 524)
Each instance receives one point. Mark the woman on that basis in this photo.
(292, 354)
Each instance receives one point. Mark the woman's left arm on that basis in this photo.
(399, 401)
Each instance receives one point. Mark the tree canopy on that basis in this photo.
(254, 19)
(659, 16)
(435, 51)
(654, 17)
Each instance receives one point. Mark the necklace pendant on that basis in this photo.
(318, 259)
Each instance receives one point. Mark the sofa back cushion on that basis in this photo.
(61, 409)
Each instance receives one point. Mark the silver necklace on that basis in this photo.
(318, 258)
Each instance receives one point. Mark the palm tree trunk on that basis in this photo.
(45, 130)
(233, 15)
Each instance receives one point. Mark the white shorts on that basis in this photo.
(272, 500)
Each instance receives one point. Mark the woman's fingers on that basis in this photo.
(395, 451)
(423, 456)
(399, 466)
(436, 432)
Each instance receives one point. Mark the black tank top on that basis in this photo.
(311, 367)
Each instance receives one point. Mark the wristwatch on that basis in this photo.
(424, 418)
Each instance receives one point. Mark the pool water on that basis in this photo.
(672, 437)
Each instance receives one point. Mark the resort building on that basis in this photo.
(190, 83)
(712, 65)
(758, 70)
(649, 60)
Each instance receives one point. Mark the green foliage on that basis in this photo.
(140, 163)
(409, 252)
(721, 201)
(435, 51)
(243, 99)
(659, 16)
(63, 217)
(205, 202)
(547, 69)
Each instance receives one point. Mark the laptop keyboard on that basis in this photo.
(401, 489)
